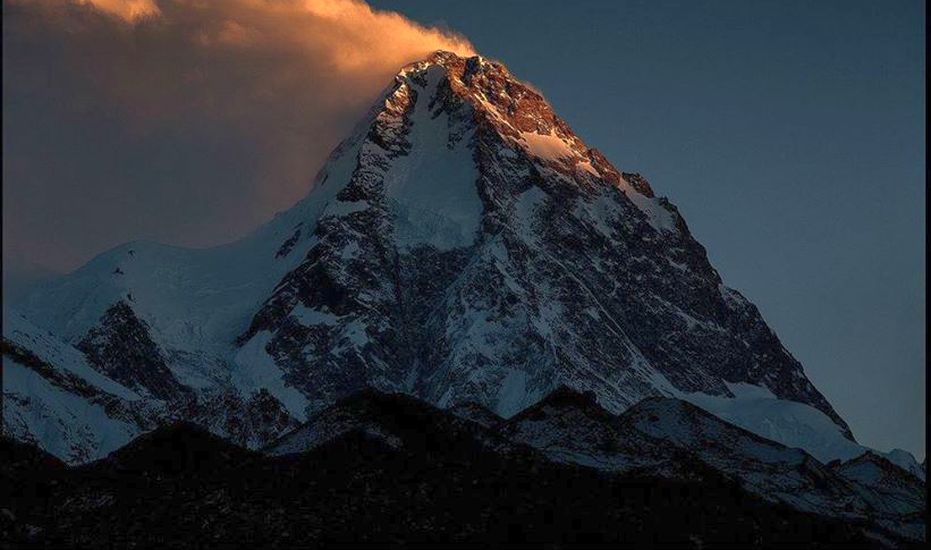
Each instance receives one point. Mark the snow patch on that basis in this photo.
(657, 215)
(587, 166)
(512, 394)
(58, 354)
(793, 424)
(433, 190)
(63, 423)
(254, 369)
(905, 460)
(548, 147)
(310, 317)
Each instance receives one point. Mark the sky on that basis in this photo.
(790, 134)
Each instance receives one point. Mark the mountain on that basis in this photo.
(396, 420)
(659, 438)
(64, 400)
(463, 245)
(905, 460)
(18, 457)
(180, 448)
(54, 398)
(670, 438)
(424, 477)
(898, 498)
(572, 428)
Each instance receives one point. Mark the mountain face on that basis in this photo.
(670, 438)
(375, 467)
(480, 251)
(120, 347)
(659, 438)
(463, 245)
(63, 400)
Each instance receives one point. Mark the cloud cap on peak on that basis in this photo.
(181, 121)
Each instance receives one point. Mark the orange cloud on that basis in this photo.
(281, 80)
(128, 10)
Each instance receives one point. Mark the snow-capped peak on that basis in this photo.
(461, 245)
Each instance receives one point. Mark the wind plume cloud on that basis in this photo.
(184, 121)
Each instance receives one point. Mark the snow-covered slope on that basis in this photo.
(874, 472)
(670, 438)
(793, 424)
(657, 435)
(762, 466)
(52, 397)
(905, 460)
(57, 397)
(572, 428)
(462, 245)
(899, 498)
(659, 438)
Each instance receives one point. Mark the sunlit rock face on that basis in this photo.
(462, 245)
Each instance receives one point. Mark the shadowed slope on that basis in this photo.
(181, 486)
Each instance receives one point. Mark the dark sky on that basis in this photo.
(790, 134)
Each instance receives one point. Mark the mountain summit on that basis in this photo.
(463, 245)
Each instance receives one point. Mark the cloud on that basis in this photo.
(128, 10)
(185, 121)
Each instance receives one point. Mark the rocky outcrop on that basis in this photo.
(121, 348)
